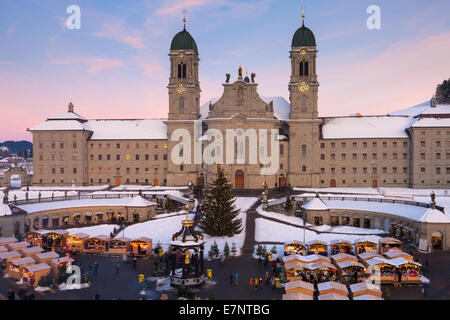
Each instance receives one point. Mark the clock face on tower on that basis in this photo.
(303, 86)
(181, 88)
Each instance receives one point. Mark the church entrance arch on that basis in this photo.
(282, 181)
(333, 183)
(239, 179)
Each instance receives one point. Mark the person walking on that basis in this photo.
(236, 278)
(274, 265)
(256, 284)
(267, 278)
(250, 283)
(260, 283)
(399, 274)
(272, 280)
(231, 279)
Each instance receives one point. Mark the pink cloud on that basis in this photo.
(95, 65)
(117, 33)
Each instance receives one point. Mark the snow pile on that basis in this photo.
(42, 289)
(5, 210)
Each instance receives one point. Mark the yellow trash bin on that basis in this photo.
(270, 256)
(209, 273)
(277, 282)
(141, 278)
(161, 252)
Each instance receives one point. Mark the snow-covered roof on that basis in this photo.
(32, 250)
(101, 237)
(45, 206)
(5, 210)
(18, 245)
(332, 296)
(369, 255)
(401, 261)
(7, 240)
(61, 125)
(432, 123)
(315, 204)
(331, 285)
(439, 109)
(143, 239)
(417, 213)
(299, 284)
(312, 242)
(362, 286)
(38, 267)
(344, 256)
(349, 263)
(139, 201)
(297, 296)
(3, 249)
(366, 127)
(396, 253)
(412, 111)
(367, 297)
(47, 255)
(9, 254)
(80, 235)
(140, 129)
(21, 261)
(67, 116)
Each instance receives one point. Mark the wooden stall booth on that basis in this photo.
(341, 246)
(320, 271)
(392, 254)
(364, 288)
(333, 288)
(35, 237)
(119, 245)
(351, 271)
(332, 296)
(55, 264)
(31, 251)
(294, 270)
(33, 273)
(141, 246)
(76, 242)
(294, 247)
(368, 255)
(46, 256)
(299, 290)
(97, 244)
(318, 247)
(5, 241)
(16, 246)
(15, 268)
(386, 244)
(365, 245)
(409, 271)
(55, 240)
(7, 257)
(380, 270)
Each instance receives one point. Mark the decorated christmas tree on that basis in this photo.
(220, 216)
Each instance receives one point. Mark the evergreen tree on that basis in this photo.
(214, 250)
(226, 250)
(443, 92)
(288, 204)
(273, 250)
(261, 251)
(170, 205)
(233, 249)
(220, 216)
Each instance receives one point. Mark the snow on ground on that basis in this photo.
(279, 216)
(79, 188)
(348, 230)
(385, 192)
(35, 194)
(102, 229)
(146, 188)
(269, 231)
(161, 229)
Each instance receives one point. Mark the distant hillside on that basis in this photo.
(21, 148)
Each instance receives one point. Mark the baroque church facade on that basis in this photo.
(408, 148)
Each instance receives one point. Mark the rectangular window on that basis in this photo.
(91, 157)
(74, 145)
(394, 170)
(147, 157)
(118, 157)
(322, 170)
(374, 156)
(405, 144)
(333, 156)
(422, 143)
(100, 157)
(118, 145)
(128, 170)
(374, 144)
(74, 170)
(304, 151)
(384, 156)
(108, 157)
(364, 144)
(438, 170)
(165, 157)
(384, 144)
(354, 156)
(355, 170)
(137, 157)
(438, 156)
(156, 157)
(394, 144)
(322, 157)
(61, 145)
(281, 149)
(61, 170)
(405, 156)
(343, 170)
(333, 145)
(322, 146)
(384, 170)
(365, 156)
(394, 156)
(374, 170)
(333, 170)
(343, 156)
(343, 144)
(355, 144)
(127, 157)
(405, 170)
(364, 170)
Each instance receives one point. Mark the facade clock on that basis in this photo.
(181, 88)
(303, 86)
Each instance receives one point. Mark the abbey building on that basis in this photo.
(408, 148)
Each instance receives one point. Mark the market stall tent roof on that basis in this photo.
(42, 231)
(299, 284)
(343, 256)
(347, 263)
(3, 249)
(297, 296)
(395, 253)
(101, 237)
(4, 241)
(362, 240)
(315, 204)
(32, 250)
(389, 239)
(369, 255)
(81, 235)
(38, 267)
(47, 255)
(340, 241)
(17, 245)
(124, 239)
(401, 261)
(10, 254)
(139, 202)
(363, 286)
(316, 242)
(21, 261)
(377, 261)
(332, 296)
(367, 297)
(331, 285)
(321, 265)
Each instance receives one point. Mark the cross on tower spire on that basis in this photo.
(303, 14)
(184, 18)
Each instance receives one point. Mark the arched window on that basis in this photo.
(181, 104)
(184, 71)
(179, 70)
(301, 68)
(306, 68)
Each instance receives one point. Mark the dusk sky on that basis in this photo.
(117, 64)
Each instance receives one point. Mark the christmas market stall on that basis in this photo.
(186, 255)
(54, 240)
(343, 257)
(368, 255)
(46, 256)
(299, 290)
(380, 270)
(5, 241)
(7, 257)
(33, 273)
(59, 262)
(341, 246)
(97, 244)
(365, 245)
(320, 271)
(119, 245)
(31, 251)
(3, 249)
(15, 268)
(318, 247)
(351, 272)
(392, 254)
(386, 244)
(16, 246)
(141, 246)
(364, 288)
(408, 272)
(294, 270)
(332, 287)
(76, 242)
(35, 237)
(294, 247)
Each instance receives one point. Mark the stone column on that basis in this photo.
(265, 201)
